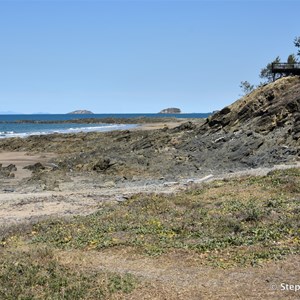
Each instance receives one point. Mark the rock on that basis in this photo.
(109, 184)
(171, 110)
(53, 166)
(184, 127)
(8, 190)
(268, 107)
(79, 166)
(35, 167)
(142, 145)
(101, 165)
(220, 139)
(171, 183)
(121, 198)
(10, 167)
(6, 172)
(80, 112)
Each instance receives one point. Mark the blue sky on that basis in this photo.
(137, 56)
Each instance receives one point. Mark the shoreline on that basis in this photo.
(158, 155)
(91, 126)
(110, 120)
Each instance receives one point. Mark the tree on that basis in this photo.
(266, 73)
(292, 59)
(246, 87)
(297, 44)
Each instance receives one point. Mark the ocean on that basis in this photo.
(8, 127)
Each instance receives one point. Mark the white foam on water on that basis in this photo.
(102, 128)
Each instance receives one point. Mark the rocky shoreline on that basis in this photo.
(258, 131)
(183, 151)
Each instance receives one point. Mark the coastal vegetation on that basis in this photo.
(230, 223)
(210, 220)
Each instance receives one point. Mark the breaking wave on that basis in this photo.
(74, 129)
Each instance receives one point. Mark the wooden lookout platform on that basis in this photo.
(286, 68)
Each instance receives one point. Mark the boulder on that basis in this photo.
(35, 167)
(101, 165)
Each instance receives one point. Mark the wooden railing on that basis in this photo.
(286, 68)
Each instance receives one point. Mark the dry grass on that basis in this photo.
(37, 274)
(236, 222)
(173, 243)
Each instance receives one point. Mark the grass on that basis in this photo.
(226, 223)
(38, 275)
(256, 216)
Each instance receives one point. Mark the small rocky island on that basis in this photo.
(171, 110)
(80, 112)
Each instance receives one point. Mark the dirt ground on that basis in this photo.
(179, 275)
(176, 275)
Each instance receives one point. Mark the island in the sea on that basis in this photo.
(80, 112)
(171, 110)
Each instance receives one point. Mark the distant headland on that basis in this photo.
(80, 112)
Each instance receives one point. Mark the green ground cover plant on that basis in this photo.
(226, 223)
(229, 222)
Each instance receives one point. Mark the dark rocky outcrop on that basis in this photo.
(261, 128)
(270, 107)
